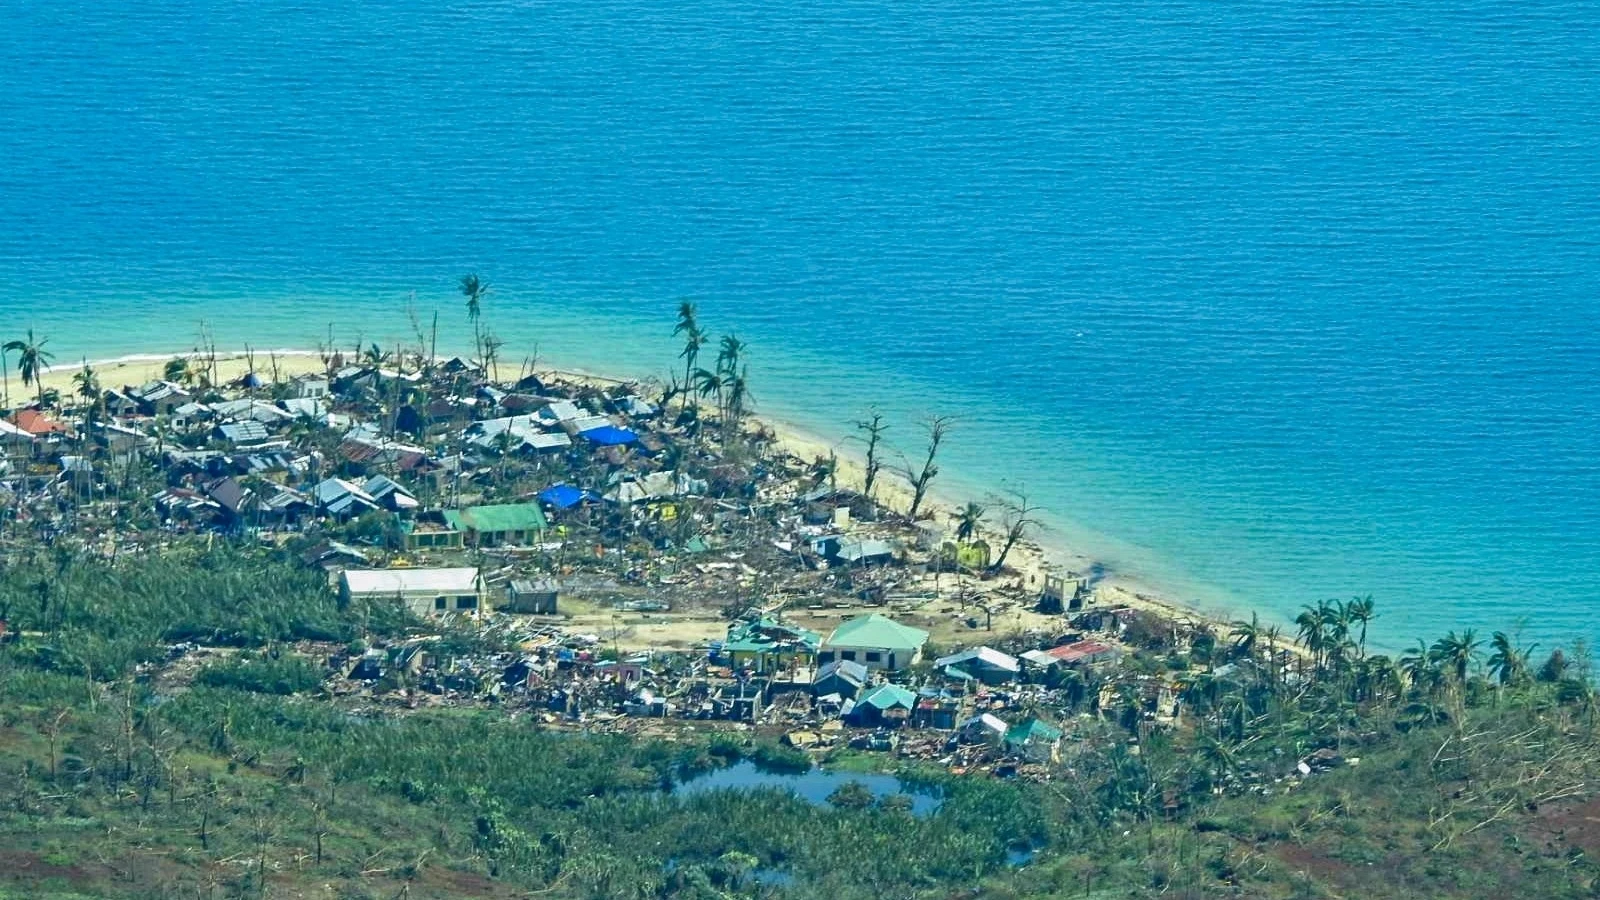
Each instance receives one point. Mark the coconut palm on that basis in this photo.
(503, 443)
(32, 360)
(968, 521)
(730, 354)
(475, 289)
(1246, 635)
(1420, 667)
(693, 339)
(179, 369)
(374, 356)
(1508, 664)
(1218, 759)
(1360, 612)
(1377, 676)
(709, 384)
(1455, 653)
(825, 469)
(737, 387)
(87, 382)
(1312, 623)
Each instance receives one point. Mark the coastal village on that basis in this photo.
(250, 597)
(635, 564)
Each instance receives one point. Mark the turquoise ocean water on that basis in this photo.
(1267, 302)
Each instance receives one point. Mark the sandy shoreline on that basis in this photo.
(1039, 554)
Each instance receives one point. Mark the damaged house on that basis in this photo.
(424, 591)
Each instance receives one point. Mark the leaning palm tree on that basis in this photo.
(32, 360)
(968, 521)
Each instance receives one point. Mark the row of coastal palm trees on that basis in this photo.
(727, 381)
(1333, 634)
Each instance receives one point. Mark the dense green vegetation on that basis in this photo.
(98, 619)
(1475, 777)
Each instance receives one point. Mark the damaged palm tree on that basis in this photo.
(937, 427)
(873, 427)
(1017, 517)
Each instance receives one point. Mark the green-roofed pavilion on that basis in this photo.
(767, 644)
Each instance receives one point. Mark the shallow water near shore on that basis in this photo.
(1265, 304)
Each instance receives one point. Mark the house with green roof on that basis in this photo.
(875, 641)
(766, 644)
(498, 524)
(1034, 740)
(886, 704)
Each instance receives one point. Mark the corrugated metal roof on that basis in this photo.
(887, 696)
(243, 432)
(409, 581)
(985, 655)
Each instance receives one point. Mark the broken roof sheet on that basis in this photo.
(247, 432)
(987, 656)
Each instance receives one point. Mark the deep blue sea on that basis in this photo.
(1267, 302)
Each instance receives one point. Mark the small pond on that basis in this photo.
(1021, 855)
(813, 786)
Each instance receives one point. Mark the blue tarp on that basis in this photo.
(609, 436)
(565, 496)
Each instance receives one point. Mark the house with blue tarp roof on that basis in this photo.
(565, 496)
(609, 436)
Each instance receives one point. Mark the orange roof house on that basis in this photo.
(37, 423)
